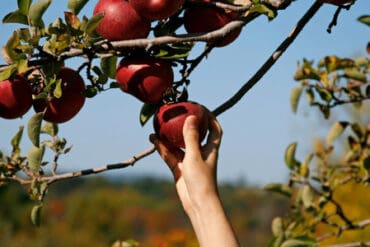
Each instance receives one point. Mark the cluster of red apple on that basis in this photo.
(16, 97)
(145, 77)
(131, 19)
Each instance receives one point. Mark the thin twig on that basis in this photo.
(271, 60)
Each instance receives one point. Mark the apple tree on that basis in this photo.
(133, 46)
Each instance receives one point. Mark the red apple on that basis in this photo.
(203, 19)
(60, 110)
(121, 21)
(169, 121)
(156, 9)
(147, 78)
(15, 97)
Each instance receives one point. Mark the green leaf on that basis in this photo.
(365, 19)
(299, 242)
(109, 66)
(12, 48)
(289, 157)
(36, 214)
(17, 138)
(34, 128)
(24, 6)
(279, 188)
(58, 89)
(75, 6)
(307, 196)
(35, 155)
(355, 74)
(174, 51)
(277, 226)
(36, 12)
(8, 72)
(359, 130)
(336, 130)
(16, 17)
(263, 9)
(92, 23)
(294, 98)
(147, 110)
(50, 129)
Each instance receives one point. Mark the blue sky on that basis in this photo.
(256, 131)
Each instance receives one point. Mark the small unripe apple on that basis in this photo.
(15, 97)
(156, 9)
(120, 21)
(60, 110)
(147, 78)
(169, 121)
(203, 19)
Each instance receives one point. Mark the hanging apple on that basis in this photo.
(169, 121)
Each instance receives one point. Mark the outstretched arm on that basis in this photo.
(195, 175)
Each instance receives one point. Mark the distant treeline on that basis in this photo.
(97, 211)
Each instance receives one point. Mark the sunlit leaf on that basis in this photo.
(37, 10)
(299, 242)
(75, 6)
(92, 23)
(307, 196)
(279, 188)
(263, 9)
(8, 72)
(36, 214)
(277, 226)
(336, 130)
(50, 129)
(365, 19)
(294, 98)
(35, 156)
(355, 74)
(58, 91)
(24, 6)
(16, 17)
(34, 128)
(289, 156)
(17, 138)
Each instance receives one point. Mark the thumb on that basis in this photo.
(191, 136)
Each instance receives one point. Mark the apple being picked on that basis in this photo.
(145, 77)
(120, 21)
(156, 9)
(60, 110)
(204, 19)
(169, 121)
(15, 97)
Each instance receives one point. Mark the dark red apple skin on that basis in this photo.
(169, 121)
(121, 21)
(203, 19)
(147, 78)
(156, 9)
(60, 110)
(15, 97)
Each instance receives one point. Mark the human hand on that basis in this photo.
(195, 169)
(195, 174)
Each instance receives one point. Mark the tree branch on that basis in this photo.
(271, 60)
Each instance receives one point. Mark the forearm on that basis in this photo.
(211, 224)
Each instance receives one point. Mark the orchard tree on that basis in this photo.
(134, 46)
